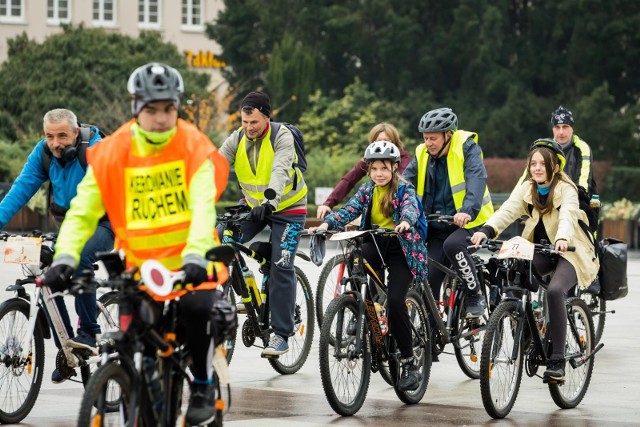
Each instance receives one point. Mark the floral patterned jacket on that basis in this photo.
(405, 210)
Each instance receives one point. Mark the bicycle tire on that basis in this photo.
(421, 348)
(572, 391)
(107, 319)
(330, 274)
(467, 349)
(598, 307)
(334, 370)
(21, 381)
(304, 323)
(92, 409)
(500, 376)
(230, 344)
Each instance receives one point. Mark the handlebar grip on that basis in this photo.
(571, 249)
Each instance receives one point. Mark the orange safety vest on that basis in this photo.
(147, 198)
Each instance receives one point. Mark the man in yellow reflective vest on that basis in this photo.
(263, 161)
(450, 177)
(155, 179)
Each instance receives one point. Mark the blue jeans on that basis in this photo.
(86, 308)
(285, 236)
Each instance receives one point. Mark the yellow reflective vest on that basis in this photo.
(455, 169)
(254, 184)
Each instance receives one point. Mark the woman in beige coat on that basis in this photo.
(549, 201)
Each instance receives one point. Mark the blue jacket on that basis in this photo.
(64, 180)
(404, 210)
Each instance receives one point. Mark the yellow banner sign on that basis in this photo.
(203, 59)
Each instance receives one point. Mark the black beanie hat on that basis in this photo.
(259, 100)
(562, 116)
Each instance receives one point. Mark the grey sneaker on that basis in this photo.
(83, 341)
(277, 346)
(201, 409)
(410, 378)
(475, 305)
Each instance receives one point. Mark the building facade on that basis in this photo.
(181, 22)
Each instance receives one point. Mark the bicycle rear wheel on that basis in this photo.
(471, 333)
(598, 307)
(500, 373)
(94, 408)
(345, 372)
(20, 379)
(330, 277)
(421, 348)
(580, 343)
(303, 325)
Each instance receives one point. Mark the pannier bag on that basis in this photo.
(613, 268)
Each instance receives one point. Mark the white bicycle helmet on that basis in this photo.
(382, 150)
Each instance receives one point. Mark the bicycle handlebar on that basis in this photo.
(542, 248)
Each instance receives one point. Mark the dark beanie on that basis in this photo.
(259, 100)
(562, 116)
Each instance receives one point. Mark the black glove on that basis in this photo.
(259, 213)
(57, 278)
(194, 274)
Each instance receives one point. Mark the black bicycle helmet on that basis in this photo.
(553, 146)
(155, 82)
(382, 150)
(438, 120)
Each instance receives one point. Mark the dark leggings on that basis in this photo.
(400, 278)
(450, 249)
(196, 322)
(563, 279)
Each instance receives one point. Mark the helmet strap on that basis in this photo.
(446, 142)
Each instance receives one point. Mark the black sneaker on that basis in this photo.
(555, 370)
(475, 305)
(594, 287)
(57, 378)
(351, 327)
(410, 378)
(201, 405)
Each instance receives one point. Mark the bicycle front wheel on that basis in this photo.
(21, 377)
(500, 370)
(420, 334)
(328, 284)
(110, 383)
(303, 325)
(345, 371)
(580, 344)
(108, 319)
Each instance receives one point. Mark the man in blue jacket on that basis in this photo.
(59, 158)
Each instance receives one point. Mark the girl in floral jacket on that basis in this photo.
(406, 256)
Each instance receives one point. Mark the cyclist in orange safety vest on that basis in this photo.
(155, 178)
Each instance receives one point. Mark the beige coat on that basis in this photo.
(561, 223)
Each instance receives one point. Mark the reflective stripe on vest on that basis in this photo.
(455, 170)
(253, 184)
(585, 156)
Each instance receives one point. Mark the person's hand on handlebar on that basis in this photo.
(562, 245)
(402, 227)
(478, 237)
(461, 219)
(323, 226)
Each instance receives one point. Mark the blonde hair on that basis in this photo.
(390, 130)
(386, 204)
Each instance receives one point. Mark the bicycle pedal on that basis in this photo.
(270, 356)
(552, 381)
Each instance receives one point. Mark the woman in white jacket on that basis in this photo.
(549, 200)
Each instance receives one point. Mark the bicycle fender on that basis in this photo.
(40, 319)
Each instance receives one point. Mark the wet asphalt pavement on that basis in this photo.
(262, 397)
